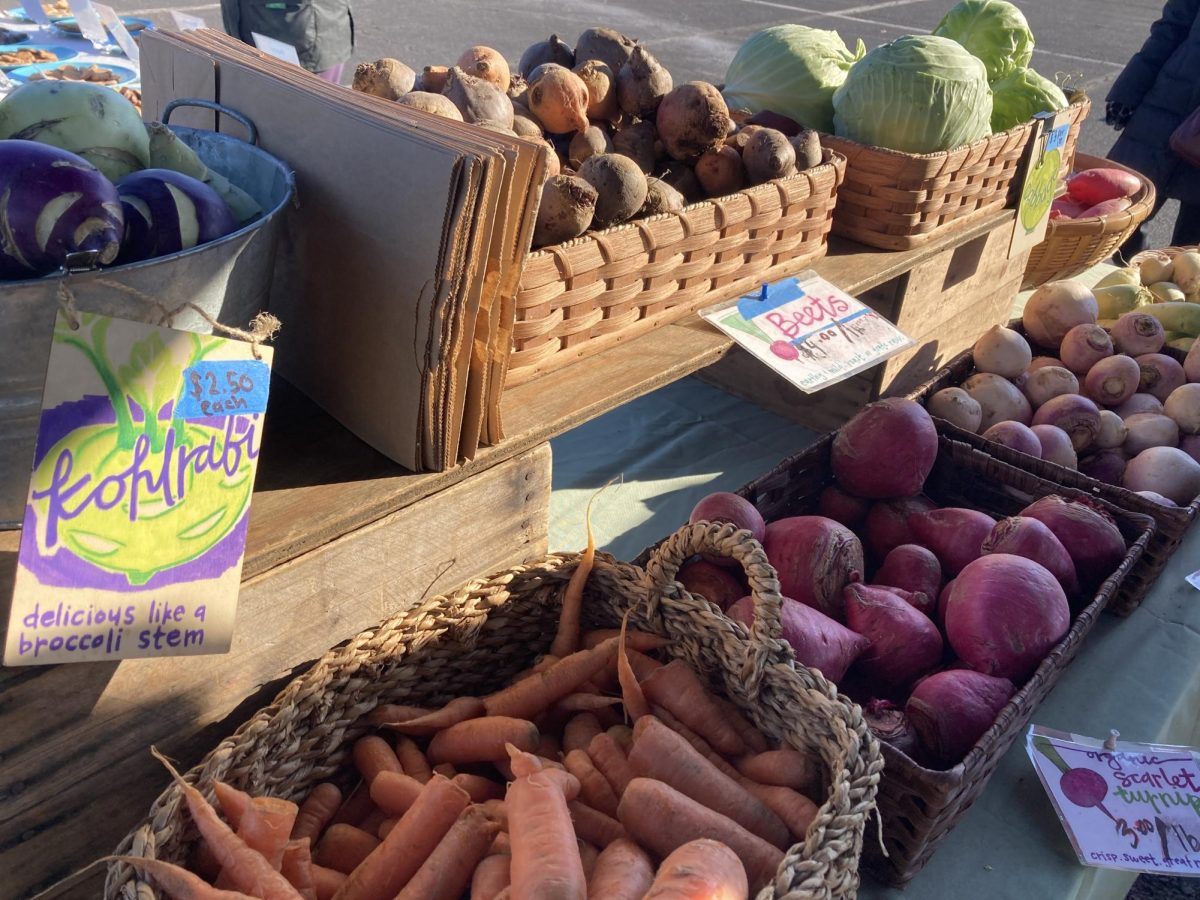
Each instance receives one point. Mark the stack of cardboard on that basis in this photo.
(397, 276)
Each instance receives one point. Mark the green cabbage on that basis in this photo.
(792, 70)
(993, 30)
(917, 94)
(1020, 96)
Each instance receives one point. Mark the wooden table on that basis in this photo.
(340, 538)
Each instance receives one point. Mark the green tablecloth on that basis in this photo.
(1140, 675)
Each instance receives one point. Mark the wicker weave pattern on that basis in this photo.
(577, 298)
(474, 640)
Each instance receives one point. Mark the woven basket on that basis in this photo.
(1172, 522)
(578, 298)
(1072, 246)
(921, 806)
(1171, 252)
(474, 640)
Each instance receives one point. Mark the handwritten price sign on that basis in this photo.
(224, 388)
(1134, 806)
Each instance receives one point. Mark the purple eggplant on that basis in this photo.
(53, 203)
(166, 212)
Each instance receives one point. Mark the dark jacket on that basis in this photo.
(322, 31)
(1161, 85)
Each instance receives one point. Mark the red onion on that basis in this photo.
(1160, 375)
(1005, 614)
(1135, 333)
(887, 524)
(1040, 362)
(904, 644)
(886, 451)
(1002, 352)
(1089, 534)
(1139, 403)
(1183, 405)
(1078, 416)
(912, 568)
(724, 506)
(1047, 383)
(890, 723)
(1107, 466)
(1190, 444)
(999, 399)
(717, 584)
(847, 509)
(1057, 307)
(1023, 536)
(1112, 429)
(1148, 430)
(1113, 380)
(1056, 446)
(1167, 471)
(1015, 436)
(815, 558)
(817, 640)
(952, 710)
(957, 407)
(955, 535)
(1084, 346)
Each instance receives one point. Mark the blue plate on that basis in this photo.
(132, 24)
(63, 53)
(124, 73)
(18, 13)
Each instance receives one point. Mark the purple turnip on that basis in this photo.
(1084, 346)
(1056, 446)
(1078, 416)
(1135, 333)
(1015, 436)
(1149, 430)
(1113, 430)
(1106, 465)
(1160, 375)
(1139, 403)
(1113, 380)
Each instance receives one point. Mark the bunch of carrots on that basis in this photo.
(542, 790)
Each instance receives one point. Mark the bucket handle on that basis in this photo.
(242, 118)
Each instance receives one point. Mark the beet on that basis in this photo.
(886, 451)
(943, 599)
(954, 534)
(817, 640)
(836, 504)
(716, 584)
(887, 524)
(1029, 538)
(815, 558)
(952, 710)
(1083, 787)
(918, 600)
(904, 643)
(913, 568)
(1090, 536)
(890, 723)
(1106, 465)
(724, 506)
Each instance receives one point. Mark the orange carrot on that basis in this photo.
(343, 847)
(460, 709)
(696, 741)
(177, 881)
(642, 641)
(445, 770)
(608, 756)
(631, 692)
(529, 697)
(785, 768)
(447, 871)
(796, 810)
(548, 746)
(385, 826)
(481, 740)
(327, 882)
(677, 688)
(296, 867)
(623, 735)
(587, 856)
(594, 826)
(661, 754)
(580, 702)
(356, 807)
(492, 875)
(265, 826)
(566, 640)
(623, 872)
(579, 731)
(505, 894)
(249, 871)
(501, 845)
(233, 803)
(545, 855)
(387, 714)
(372, 755)
(747, 731)
(479, 788)
(643, 666)
(412, 761)
(316, 811)
(595, 790)
(395, 793)
(700, 868)
(648, 804)
(372, 822)
(390, 865)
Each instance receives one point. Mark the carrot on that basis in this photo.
(784, 768)
(412, 761)
(579, 731)
(327, 882)
(373, 820)
(796, 810)
(595, 790)
(233, 803)
(479, 788)
(548, 746)
(390, 865)
(587, 856)
(545, 855)
(661, 754)
(522, 763)
(608, 717)
(387, 714)
(677, 688)
(642, 641)
(700, 869)
(394, 793)
(177, 881)
(204, 862)
(575, 703)
(623, 735)
(566, 640)
(460, 709)
(647, 805)
(631, 692)
(594, 826)
(372, 755)
(356, 807)
(492, 875)
(481, 740)
(498, 811)
(317, 809)
(696, 741)
(505, 894)
(608, 756)
(445, 770)
(296, 867)
(249, 871)
(529, 697)
(343, 847)
(747, 731)
(447, 871)
(643, 666)
(385, 826)
(265, 826)
(623, 872)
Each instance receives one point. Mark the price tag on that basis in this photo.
(135, 524)
(36, 12)
(89, 22)
(1124, 805)
(1040, 182)
(277, 49)
(184, 22)
(110, 20)
(809, 331)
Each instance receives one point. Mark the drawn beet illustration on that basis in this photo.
(1083, 787)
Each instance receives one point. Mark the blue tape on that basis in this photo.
(229, 387)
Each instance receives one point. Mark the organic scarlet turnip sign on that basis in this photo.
(809, 331)
(136, 517)
(1134, 806)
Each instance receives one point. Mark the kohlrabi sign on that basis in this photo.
(136, 518)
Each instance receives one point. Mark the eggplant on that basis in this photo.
(167, 211)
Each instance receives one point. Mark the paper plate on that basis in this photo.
(18, 13)
(124, 73)
(132, 24)
(63, 54)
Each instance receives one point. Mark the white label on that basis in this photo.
(33, 9)
(277, 49)
(184, 22)
(111, 21)
(5, 84)
(89, 22)
(1193, 580)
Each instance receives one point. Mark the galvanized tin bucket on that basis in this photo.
(229, 279)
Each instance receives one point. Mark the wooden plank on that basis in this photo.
(75, 738)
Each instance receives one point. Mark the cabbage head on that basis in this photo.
(917, 94)
(792, 70)
(1020, 96)
(993, 30)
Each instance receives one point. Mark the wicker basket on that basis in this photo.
(578, 298)
(1171, 252)
(474, 640)
(1172, 522)
(920, 806)
(1072, 246)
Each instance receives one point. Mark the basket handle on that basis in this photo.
(724, 539)
(241, 118)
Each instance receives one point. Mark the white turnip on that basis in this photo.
(1148, 430)
(1057, 307)
(1167, 471)
(1002, 351)
(957, 407)
(1183, 405)
(1048, 382)
(1112, 432)
(999, 399)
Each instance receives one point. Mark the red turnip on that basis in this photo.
(1160, 375)
(912, 568)
(1084, 346)
(1167, 471)
(904, 643)
(999, 399)
(1183, 405)
(1005, 614)
(817, 640)
(1078, 416)
(890, 723)
(957, 407)
(952, 710)
(815, 558)
(1106, 465)
(1048, 382)
(724, 506)
(1091, 537)
(1093, 186)
(836, 504)
(1015, 436)
(886, 451)
(1148, 430)
(1002, 352)
(1113, 380)
(1056, 446)
(1057, 307)
(717, 584)
(1023, 536)
(887, 524)
(1135, 333)
(955, 535)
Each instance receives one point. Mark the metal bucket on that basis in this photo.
(229, 279)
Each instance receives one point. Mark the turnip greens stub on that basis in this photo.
(135, 522)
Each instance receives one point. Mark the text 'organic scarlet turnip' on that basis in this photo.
(886, 451)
